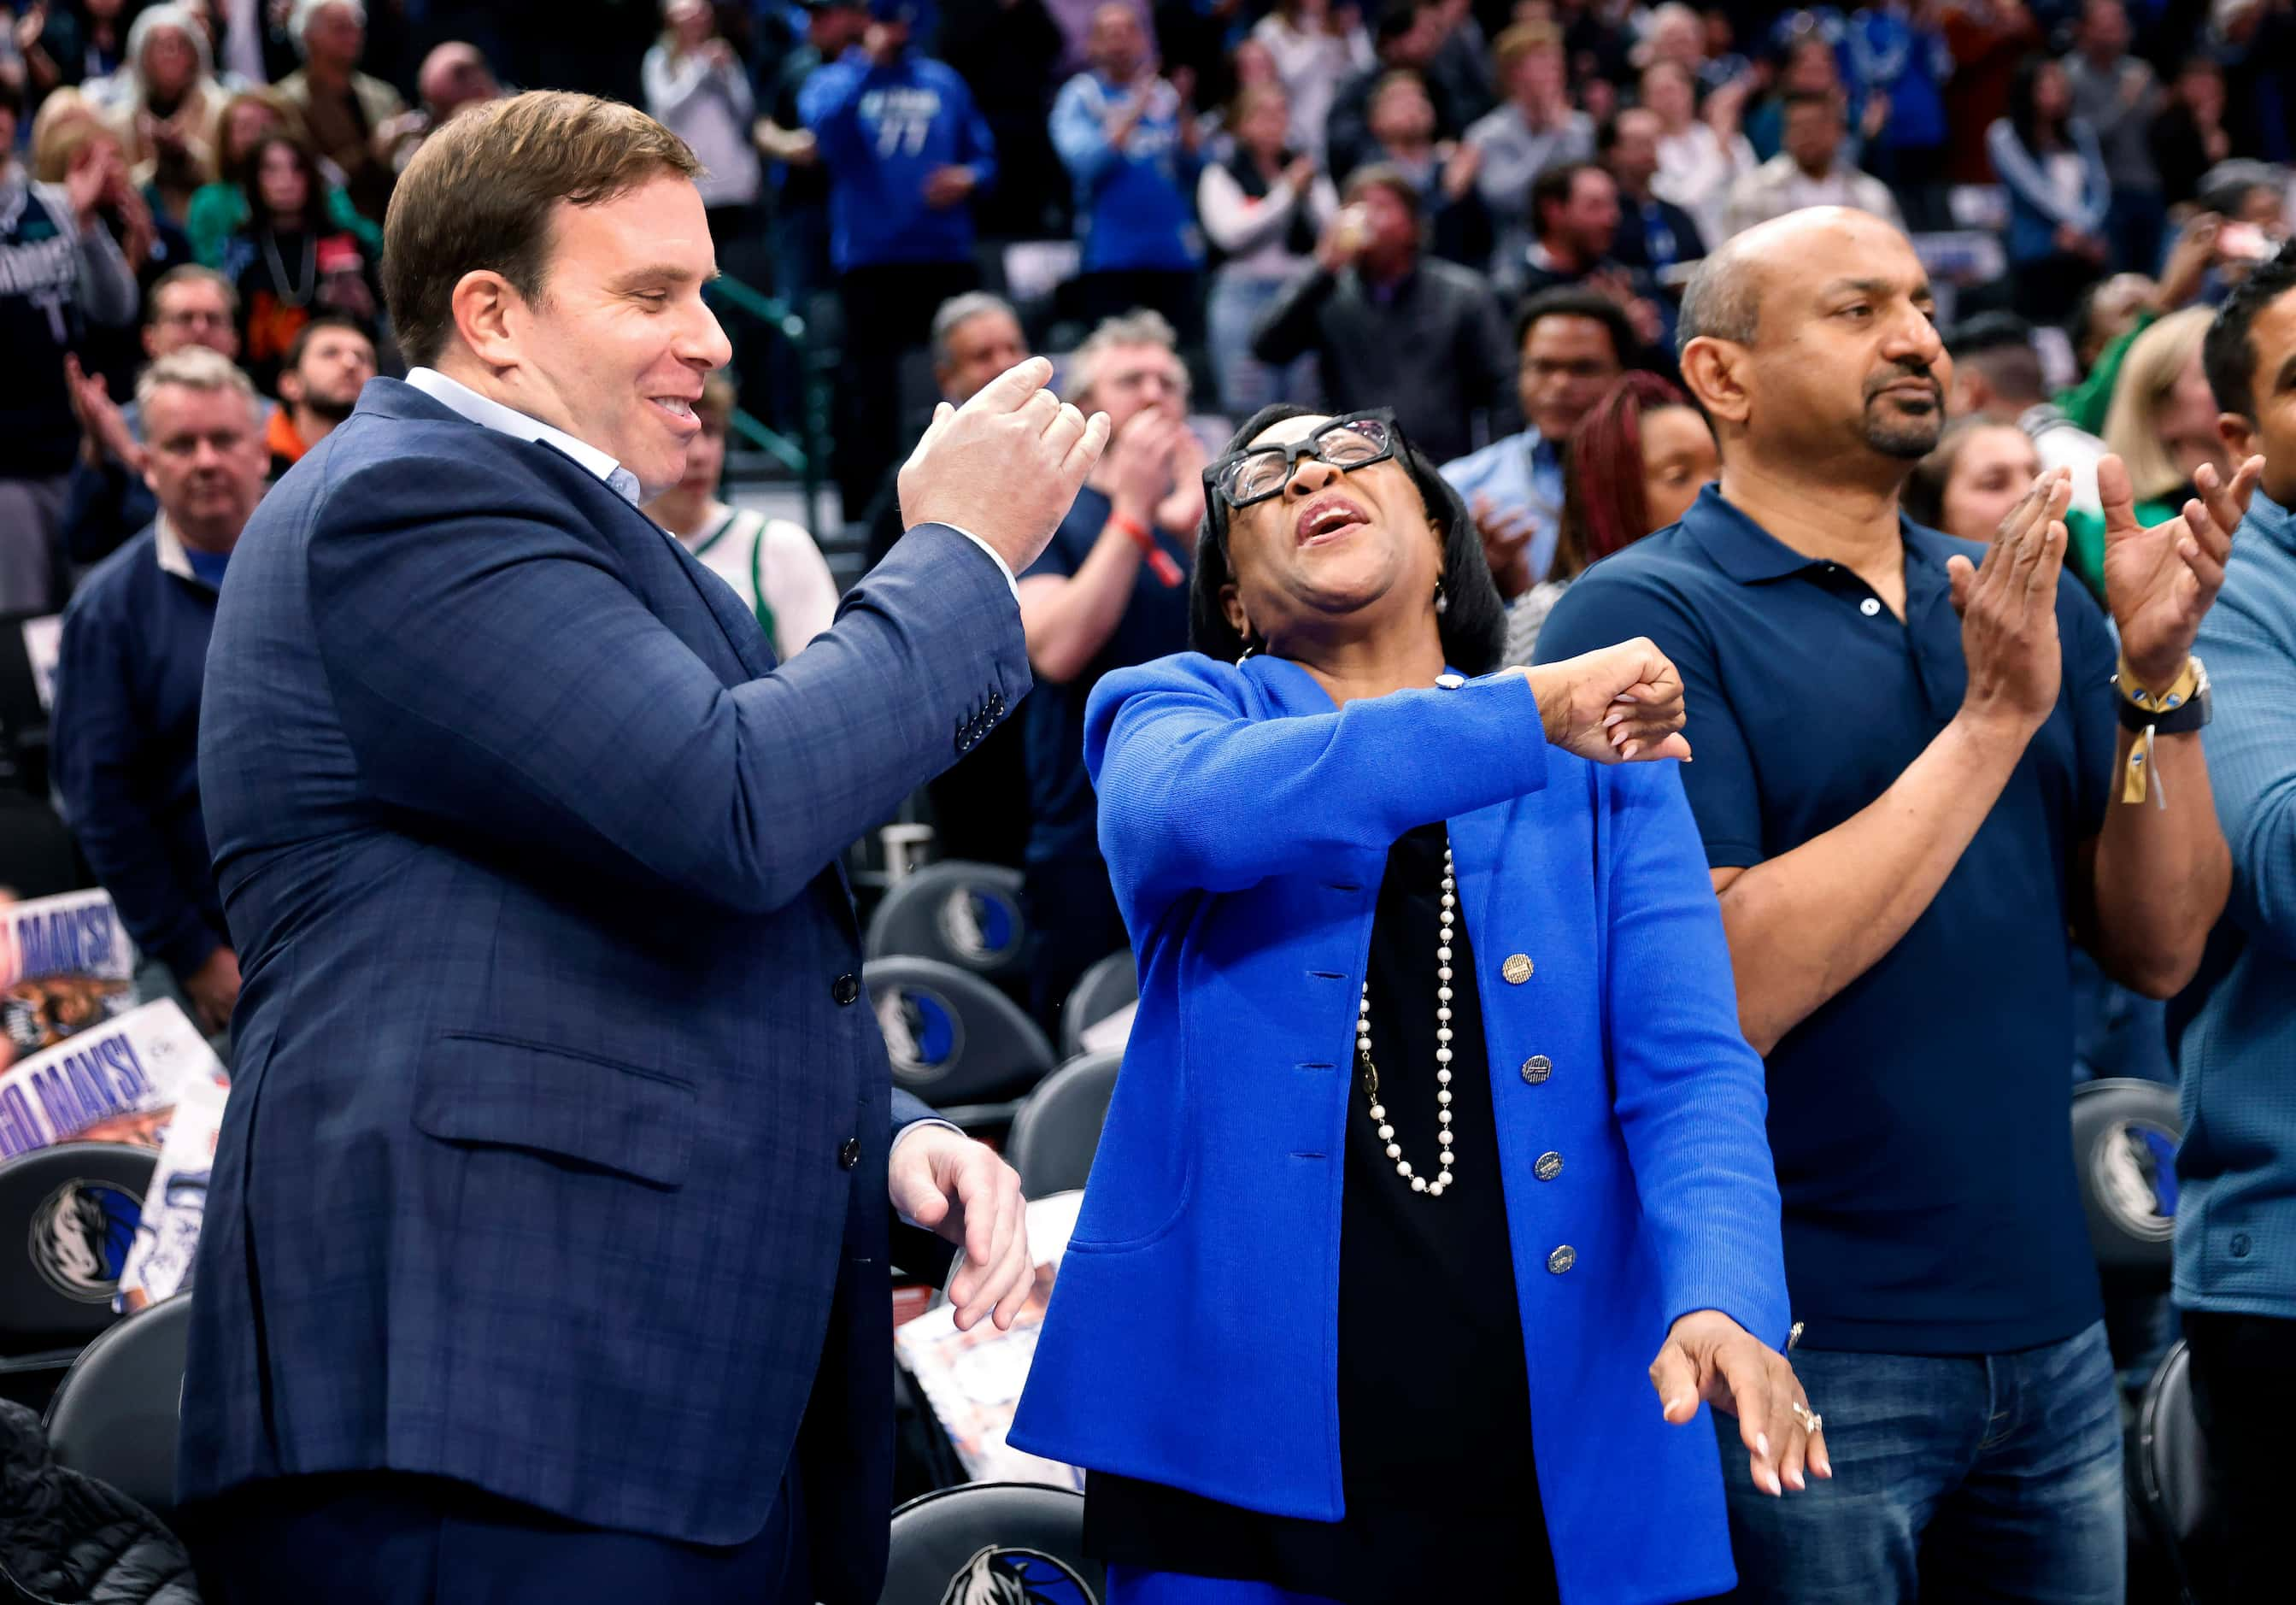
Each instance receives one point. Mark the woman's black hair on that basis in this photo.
(1473, 626)
(251, 182)
(2025, 115)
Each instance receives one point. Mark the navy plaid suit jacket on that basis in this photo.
(534, 1172)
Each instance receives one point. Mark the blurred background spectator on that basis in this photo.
(2060, 196)
(1262, 208)
(346, 113)
(1977, 471)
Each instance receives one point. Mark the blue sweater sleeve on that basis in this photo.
(1198, 794)
(830, 106)
(2251, 744)
(1690, 1096)
(1078, 135)
(97, 744)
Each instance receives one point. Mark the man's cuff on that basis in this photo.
(994, 556)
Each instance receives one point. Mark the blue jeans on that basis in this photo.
(1955, 1478)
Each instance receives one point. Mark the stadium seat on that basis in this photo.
(992, 1542)
(114, 1416)
(1057, 1131)
(68, 1215)
(2125, 1136)
(2168, 1480)
(1101, 990)
(964, 914)
(955, 1041)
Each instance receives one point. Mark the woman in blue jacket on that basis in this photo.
(2051, 164)
(1337, 1324)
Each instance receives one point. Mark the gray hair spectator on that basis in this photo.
(133, 661)
(353, 119)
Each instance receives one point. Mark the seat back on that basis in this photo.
(985, 1543)
(1057, 1131)
(1099, 992)
(2170, 1470)
(952, 1037)
(2125, 1137)
(960, 913)
(115, 1416)
(68, 1215)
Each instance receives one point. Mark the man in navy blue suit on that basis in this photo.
(545, 1251)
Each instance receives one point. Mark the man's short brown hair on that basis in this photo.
(478, 195)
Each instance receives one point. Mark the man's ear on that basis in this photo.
(1716, 371)
(291, 388)
(489, 315)
(2238, 435)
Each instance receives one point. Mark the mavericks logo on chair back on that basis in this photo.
(2134, 1171)
(1016, 1576)
(982, 926)
(80, 1236)
(923, 1033)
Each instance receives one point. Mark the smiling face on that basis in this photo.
(616, 346)
(1336, 551)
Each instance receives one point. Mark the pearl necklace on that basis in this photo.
(1420, 1184)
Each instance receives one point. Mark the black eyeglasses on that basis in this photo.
(1260, 472)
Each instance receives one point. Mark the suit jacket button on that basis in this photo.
(1561, 1259)
(1516, 969)
(845, 989)
(1537, 1068)
(849, 1155)
(1549, 1166)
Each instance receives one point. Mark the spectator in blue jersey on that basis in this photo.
(905, 151)
(133, 656)
(1127, 138)
(1898, 52)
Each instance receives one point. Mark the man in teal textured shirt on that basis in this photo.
(2236, 1221)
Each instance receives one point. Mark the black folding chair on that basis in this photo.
(1099, 992)
(992, 1542)
(961, 913)
(955, 1041)
(1057, 1132)
(114, 1417)
(68, 1215)
(2168, 1480)
(2125, 1137)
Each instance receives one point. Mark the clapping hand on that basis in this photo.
(1612, 705)
(2159, 581)
(1005, 465)
(1709, 1356)
(2008, 607)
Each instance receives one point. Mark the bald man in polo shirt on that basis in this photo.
(1915, 775)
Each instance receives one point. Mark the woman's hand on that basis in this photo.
(1612, 705)
(1711, 1357)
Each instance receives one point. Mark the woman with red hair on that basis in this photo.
(1633, 465)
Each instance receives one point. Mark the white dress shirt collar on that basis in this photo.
(490, 413)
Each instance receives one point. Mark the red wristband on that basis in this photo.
(1160, 561)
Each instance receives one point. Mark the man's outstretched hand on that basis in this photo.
(1005, 465)
(961, 1191)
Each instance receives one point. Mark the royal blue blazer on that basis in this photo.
(1192, 1338)
(555, 1155)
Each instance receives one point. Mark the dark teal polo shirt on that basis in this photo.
(1921, 1119)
